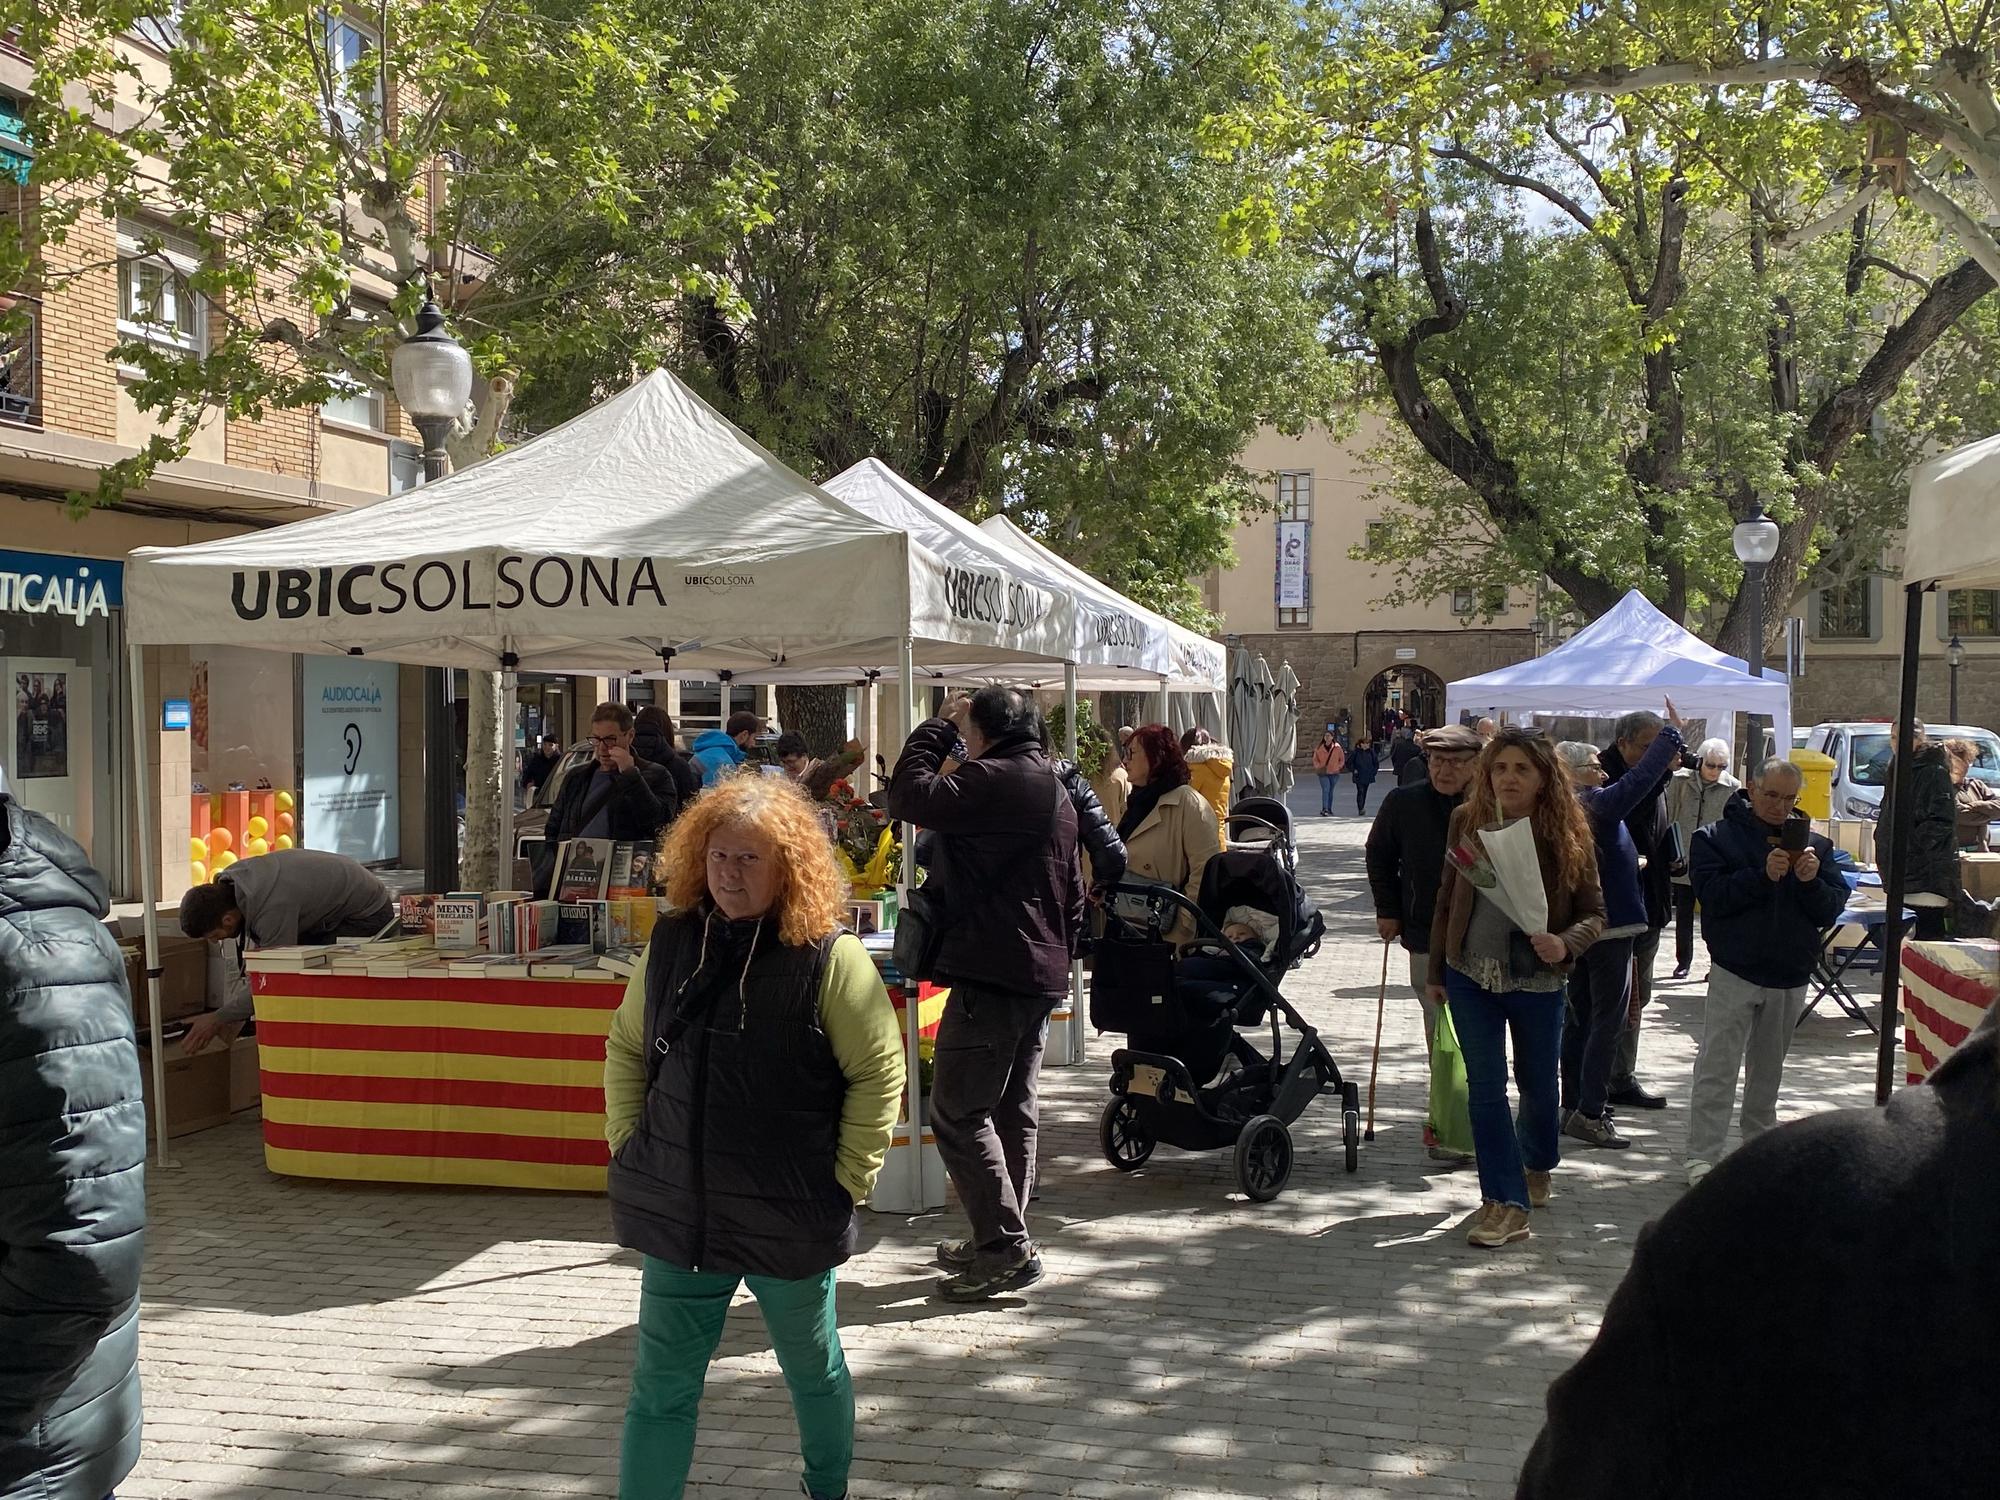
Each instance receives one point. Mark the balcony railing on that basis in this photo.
(21, 362)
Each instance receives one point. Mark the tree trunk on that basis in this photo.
(488, 748)
(818, 713)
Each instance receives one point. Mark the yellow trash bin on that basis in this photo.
(1816, 796)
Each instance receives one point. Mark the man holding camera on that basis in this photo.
(1768, 889)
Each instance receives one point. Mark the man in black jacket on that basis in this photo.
(1405, 855)
(72, 1175)
(1820, 1319)
(1648, 824)
(1011, 911)
(1764, 913)
(624, 799)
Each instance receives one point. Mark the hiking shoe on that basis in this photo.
(1696, 1170)
(1600, 1133)
(1503, 1226)
(956, 1255)
(977, 1284)
(1452, 1159)
(1539, 1190)
(1486, 1211)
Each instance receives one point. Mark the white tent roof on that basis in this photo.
(1953, 540)
(1109, 624)
(1631, 657)
(648, 522)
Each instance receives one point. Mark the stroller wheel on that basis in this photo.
(1264, 1158)
(1123, 1135)
(1350, 1137)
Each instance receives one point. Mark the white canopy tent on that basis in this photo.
(1951, 541)
(1630, 657)
(648, 531)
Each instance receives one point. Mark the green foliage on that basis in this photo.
(1093, 742)
(309, 204)
(990, 257)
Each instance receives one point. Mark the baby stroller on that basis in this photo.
(1262, 824)
(1188, 1077)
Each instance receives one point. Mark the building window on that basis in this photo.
(1376, 537)
(357, 75)
(1973, 612)
(355, 404)
(1464, 602)
(1846, 610)
(155, 302)
(1293, 585)
(161, 27)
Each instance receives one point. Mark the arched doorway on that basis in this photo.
(1413, 691)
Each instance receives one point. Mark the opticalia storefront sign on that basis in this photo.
(41, 583)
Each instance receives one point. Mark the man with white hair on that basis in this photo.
(1768, 890)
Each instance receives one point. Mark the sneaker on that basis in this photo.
(977, 1284)
(1452, 1159)
(1601, 1133)
(956, 1255)
(1680, 971)
(1696, 1170)
(1539, 1190)
(1503, 1226)
(1635, 1097)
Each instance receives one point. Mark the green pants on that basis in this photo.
(681, 1314)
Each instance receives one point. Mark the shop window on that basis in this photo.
(156, 304)
(1972, 612)
(703, 706)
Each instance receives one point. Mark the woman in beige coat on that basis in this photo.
(1169, 828)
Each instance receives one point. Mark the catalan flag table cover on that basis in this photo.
(1947, 990)
(466, 1081)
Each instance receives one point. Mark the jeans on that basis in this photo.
(1600, 988)
(1508, 1146)
(985, 1110)
(1625, 1066)
(1684, 925)
(681, 1314)
(1328, 780)
(1361, 796)
(1748, 1029)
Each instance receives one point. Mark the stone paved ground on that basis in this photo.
(404, 1343)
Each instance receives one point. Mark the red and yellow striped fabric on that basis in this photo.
(1947, 989)
(469, 1081)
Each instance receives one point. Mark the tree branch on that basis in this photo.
(1619, 83)
(1826, 223)
(1974, 237)
(1552, 194)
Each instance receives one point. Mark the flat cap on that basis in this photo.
(1452, 737)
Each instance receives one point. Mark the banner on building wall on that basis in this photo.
(1292, 564)
(350, 717)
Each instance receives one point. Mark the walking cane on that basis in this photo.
(1375, 1066)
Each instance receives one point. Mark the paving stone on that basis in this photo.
(386, 1342)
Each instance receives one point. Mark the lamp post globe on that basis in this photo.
(432, 374)
(1756, 542)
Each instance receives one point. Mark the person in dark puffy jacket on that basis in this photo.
(1095, 835)
(1930, 874)
(653, 740)
(72, 1175)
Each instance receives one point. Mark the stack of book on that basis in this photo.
(288, 960)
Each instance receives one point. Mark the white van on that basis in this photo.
(1860, 755)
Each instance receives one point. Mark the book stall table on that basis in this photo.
(1947, 990)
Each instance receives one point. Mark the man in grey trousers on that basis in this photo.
(1765, 909)
(1007, 896)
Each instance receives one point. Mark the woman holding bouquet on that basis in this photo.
(1499, 979)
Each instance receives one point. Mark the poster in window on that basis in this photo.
(350, 718)
(41, 725)
(1292, 564)
(198, 711)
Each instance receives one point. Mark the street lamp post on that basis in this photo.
(433, 380)
(1756, 543)
(1954, 657)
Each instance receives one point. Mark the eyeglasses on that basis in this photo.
(1715, 765)
(606, 741)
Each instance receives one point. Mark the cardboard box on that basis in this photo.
(197, 1088)
(183, 977)
(246, 1085)
(1981, 874)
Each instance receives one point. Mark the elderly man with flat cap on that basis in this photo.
(1405, 856)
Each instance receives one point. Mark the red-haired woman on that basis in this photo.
(1169, 828)
(1499, 979)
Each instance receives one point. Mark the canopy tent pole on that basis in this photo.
(1166, 702)
(1899, 848)
(503, 806)
(1076, 965)
(149, 886)
(871, 733)
(913, 1024)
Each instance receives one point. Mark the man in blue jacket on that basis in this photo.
(718, 752)
(1764, 913)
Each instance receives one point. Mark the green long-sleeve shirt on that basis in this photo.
(860, 1026)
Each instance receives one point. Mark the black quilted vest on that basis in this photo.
(731, 1166)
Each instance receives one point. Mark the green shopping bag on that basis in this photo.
(1451, 1112)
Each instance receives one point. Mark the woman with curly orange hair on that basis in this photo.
(751, 1084)
(1500, 980)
